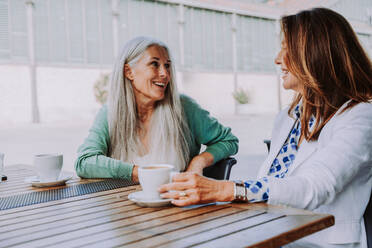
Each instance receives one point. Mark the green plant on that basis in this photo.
(241, 96)
(100, 88)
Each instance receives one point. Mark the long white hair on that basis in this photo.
(169, 132)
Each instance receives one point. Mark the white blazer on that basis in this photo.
(331, 175)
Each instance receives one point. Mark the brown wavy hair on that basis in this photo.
(324, 53)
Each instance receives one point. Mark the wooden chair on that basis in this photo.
(220, 170)
(367, 214)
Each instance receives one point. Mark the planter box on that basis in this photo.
(246, 109)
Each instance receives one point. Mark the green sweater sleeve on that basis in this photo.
(92, 161)
(206, 130)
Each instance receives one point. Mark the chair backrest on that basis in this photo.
(220, 170)
(368, 222)
(268, 144)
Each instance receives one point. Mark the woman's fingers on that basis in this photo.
(180, 181)
(173, 195)
(173, 186)
(190, 199)
(181, 198)
(182, 177)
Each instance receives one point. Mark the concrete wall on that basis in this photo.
(66, 94)
(214, 91)
(15, 99)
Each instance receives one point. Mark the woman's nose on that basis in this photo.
(278, 59)
(163, 72)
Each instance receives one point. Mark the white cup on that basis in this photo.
(152, 176)
(48, 166)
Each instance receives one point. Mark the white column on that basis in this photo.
(115, 27)
(278, 85)
(234, 57)
(35, 116)
(84, 32)
(181, 28)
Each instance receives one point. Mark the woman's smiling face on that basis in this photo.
(289, 80)
(150, 75)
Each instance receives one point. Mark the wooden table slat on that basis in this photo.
(44, 223)
(270, 236)
(66, 230)
(147, 224)
(221, 226)
(97, 226)
(60, 209)
(176, 230)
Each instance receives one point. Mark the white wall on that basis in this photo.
(66, 94)
(15, 99)
(214, 91)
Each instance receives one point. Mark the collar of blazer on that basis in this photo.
(279, 137)
(306, 148)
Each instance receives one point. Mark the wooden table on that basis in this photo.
(109, 219)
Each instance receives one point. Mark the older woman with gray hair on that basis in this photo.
(147, 121)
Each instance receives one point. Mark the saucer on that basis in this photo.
(137, 197)
(36, 182)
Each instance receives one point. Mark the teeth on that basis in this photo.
(284, 72)
(159, 84)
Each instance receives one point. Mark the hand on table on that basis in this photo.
(191, 188)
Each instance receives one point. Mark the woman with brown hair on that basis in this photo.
(321, 150)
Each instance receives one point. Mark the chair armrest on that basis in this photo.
(220, 170)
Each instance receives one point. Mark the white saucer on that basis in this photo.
(35, 181)
(137, 197)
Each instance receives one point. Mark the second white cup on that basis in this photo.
(48, 166)
(152, 176)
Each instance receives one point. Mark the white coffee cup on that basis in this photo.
(152, 176)
(48, 166)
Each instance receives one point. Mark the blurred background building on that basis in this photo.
(53, 51)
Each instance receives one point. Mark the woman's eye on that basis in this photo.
(155, 63)
(167, 66)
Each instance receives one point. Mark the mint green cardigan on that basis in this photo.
(93, 162)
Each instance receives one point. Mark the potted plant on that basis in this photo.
(100, 88)
(241, 96)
